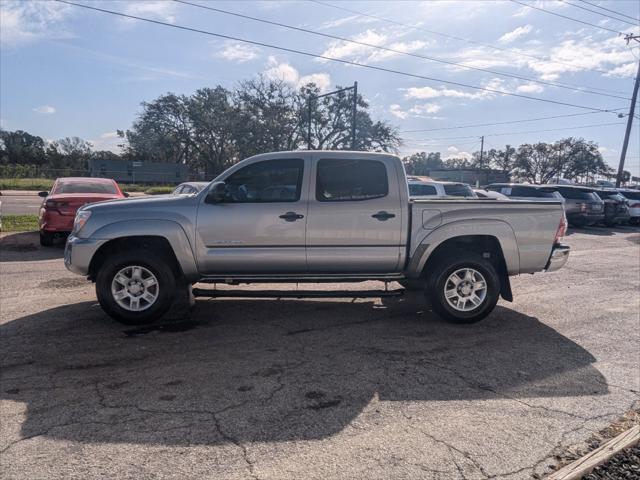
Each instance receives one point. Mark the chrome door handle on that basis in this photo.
(291, 216)
(383, 216)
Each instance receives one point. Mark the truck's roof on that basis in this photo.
(346, 154)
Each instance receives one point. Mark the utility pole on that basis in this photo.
(353, 115)
(481, 151)
(354, 112)
(632, 108)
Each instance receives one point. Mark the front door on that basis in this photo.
(259, 228)
(355, 221)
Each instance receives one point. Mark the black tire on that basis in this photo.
(166, 287)
(46, 239)
(439, 275)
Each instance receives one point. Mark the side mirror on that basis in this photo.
(217, 193)
(43, 194)
(126, 194)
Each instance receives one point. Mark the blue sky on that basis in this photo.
(67, 71)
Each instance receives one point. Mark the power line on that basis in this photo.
(462, 39)
(612, 11)
(598, 13)
(400, 52)
(567, 17)
(338, 60)
(504, 123)
(520, 133)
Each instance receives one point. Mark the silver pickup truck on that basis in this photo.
(312, 216)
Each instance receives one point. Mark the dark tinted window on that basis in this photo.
(631, 195)
(85, 187)
(576, 194)
(495, 188)
(458, 190)
(340, 180)
(266, 181)
(416, 189)
(524, 191)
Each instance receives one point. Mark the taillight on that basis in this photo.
(53, 205)
(562, 229)
(635, 205)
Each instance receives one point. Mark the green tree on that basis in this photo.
(422, 163)
(20, 147)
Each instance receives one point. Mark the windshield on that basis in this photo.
(458, 190)
(85, 187)
(417, 189)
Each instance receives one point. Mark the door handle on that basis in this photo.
(383, 216)
(291, 216)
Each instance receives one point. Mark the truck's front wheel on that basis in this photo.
(135, 288)
(464, 290)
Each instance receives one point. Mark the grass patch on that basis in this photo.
(19, 223)
(45, 184)
(159, 190)
(41, 184)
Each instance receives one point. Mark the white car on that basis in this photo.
(633, 202)
(420, 187)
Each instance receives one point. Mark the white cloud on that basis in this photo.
(425, 108)
(396, 111)
(350, 20)
(452, 149)
(26, 22)
(322, 80)
(515, 34)
(158, 9)
(363, 53)
(287, 73)
(626, 70)
(530, 88)
(107, 141)
(238, 52)
(109, 135)
(45, 110)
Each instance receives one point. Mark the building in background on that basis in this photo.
(472, 176)
(124, 171)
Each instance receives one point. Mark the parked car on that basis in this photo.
(489, 194)
(633, 202)
(518, 191)
(67, 195)
(350, 220)
(426, 187)
(616, 210)
(582, 206)
(189, 188)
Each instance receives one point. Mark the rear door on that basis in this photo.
(355, 221)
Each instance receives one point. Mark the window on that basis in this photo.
(178, 190)
(266, 182)
(417, 189)
(340, 180)
(458, 190)
(577, 194)
(495, 188)
(631, 195)
(85, 187)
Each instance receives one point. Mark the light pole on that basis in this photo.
(354, 112)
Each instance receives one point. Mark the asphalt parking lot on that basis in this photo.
(278, 389)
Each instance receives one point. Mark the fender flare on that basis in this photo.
(499, 229)
(167, 229)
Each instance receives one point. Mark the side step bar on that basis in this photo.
(205, 292)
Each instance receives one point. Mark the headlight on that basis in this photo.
(81, 218)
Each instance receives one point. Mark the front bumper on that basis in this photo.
(559, 256)
(78, 253)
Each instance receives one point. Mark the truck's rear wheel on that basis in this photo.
(464, 290)
(135, 288)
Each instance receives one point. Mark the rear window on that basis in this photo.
(416, 189)
(458, 190)
(85, 187)
(631, 195)
(531, 192)
(577, 194)
(341, 180)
